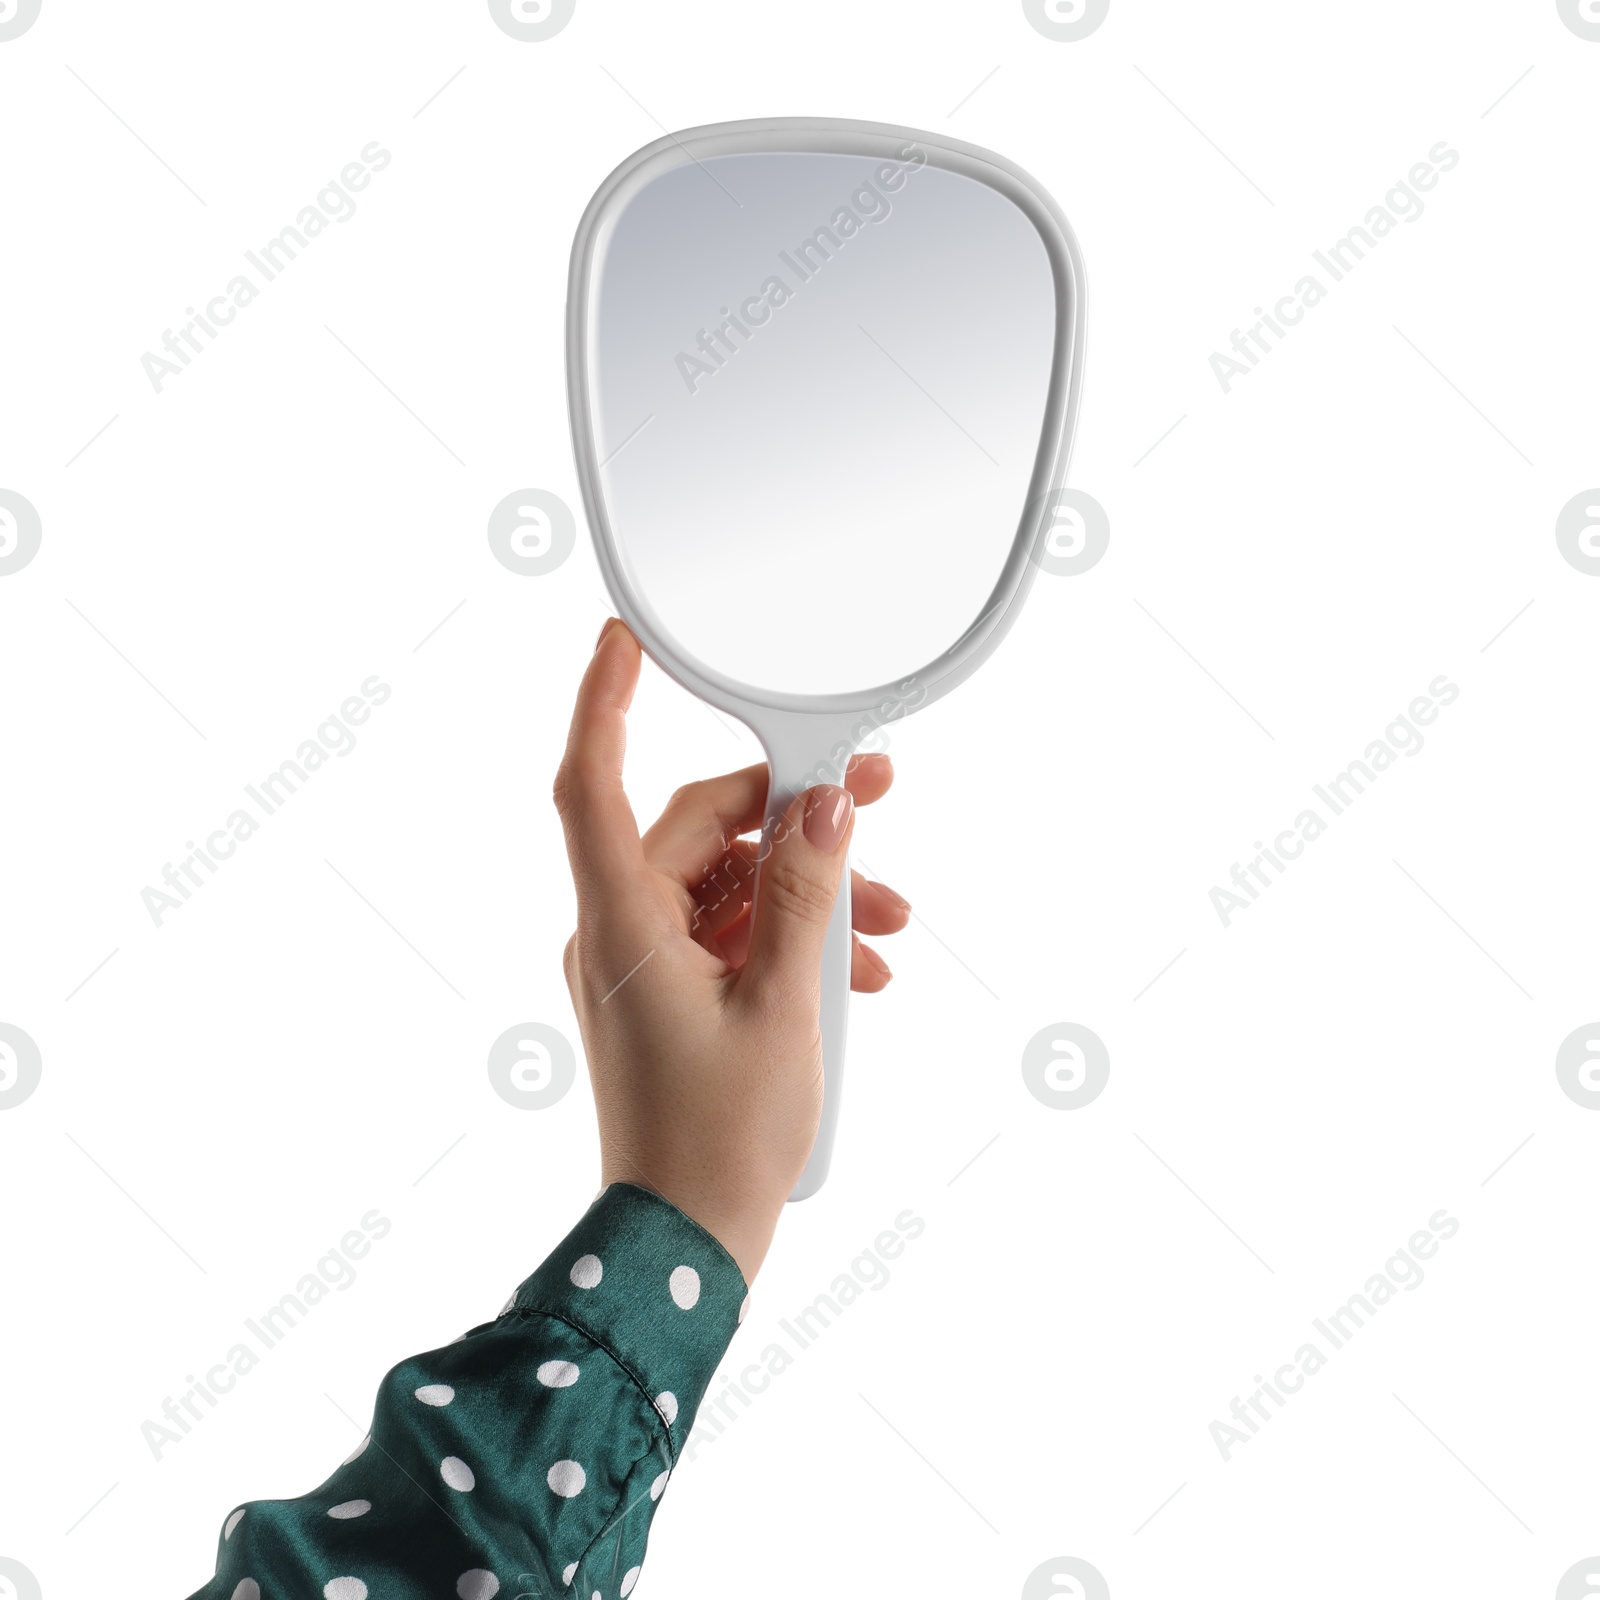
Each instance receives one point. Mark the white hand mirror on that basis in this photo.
(823, 377)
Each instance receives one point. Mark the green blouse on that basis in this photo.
(525, 1459)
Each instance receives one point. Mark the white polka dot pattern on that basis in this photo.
(685, 1286)
(595, 1311)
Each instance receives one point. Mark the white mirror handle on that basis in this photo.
(834, 1017)
(794, 766)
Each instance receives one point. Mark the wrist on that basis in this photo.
(744, 1227)
(745, 1236)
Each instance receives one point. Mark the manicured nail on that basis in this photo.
(876, 962)
(605, 628)
(827, 816)
(857, 762)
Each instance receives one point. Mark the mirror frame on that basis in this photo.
(883, 141)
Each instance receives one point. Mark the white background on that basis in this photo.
(1289, 1100)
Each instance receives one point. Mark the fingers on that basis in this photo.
(797, 885)
(875, 908)
(868, 777)
(723, 897)
(603, 845)
(722, 922)
(703, 819)
(869, 972)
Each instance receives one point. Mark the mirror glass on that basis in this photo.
(818, 389)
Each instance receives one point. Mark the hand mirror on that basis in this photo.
(823, 377)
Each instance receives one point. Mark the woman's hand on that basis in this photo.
(700, 1020)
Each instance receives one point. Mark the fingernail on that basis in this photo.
(899, 900)
(605, 628)
(857, 762)
(827, 816)
(876, 962)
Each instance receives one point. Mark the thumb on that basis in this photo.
(796, 886)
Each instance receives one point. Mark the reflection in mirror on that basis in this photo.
(819, 386)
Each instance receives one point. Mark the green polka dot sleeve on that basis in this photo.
(525, 1459)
